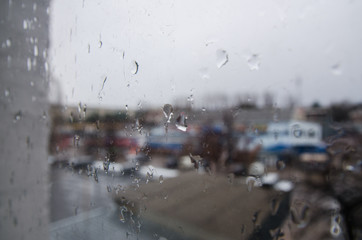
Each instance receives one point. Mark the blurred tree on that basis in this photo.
(93, 117)
(340, 112)
(316, 105)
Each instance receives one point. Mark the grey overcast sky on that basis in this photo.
(310, 49)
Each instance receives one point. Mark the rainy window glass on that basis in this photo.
(181, 119)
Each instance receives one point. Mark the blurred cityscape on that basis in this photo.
(232, 138)
(291, 157)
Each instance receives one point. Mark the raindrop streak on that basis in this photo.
(84, 109)
(99, 94)
(222, 58)
(122, 217)
(135, 68)
(76, 211)
(95, 175)
(250, 181)
(161, 179)
(76, 140)
(28, 64)
(255, 219)
(181, 122)
(254, 62)
(274, 206)
(168, 112)
(36, 51)
(106, 166)
(109, 188)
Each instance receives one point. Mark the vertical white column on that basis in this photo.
(23, 119)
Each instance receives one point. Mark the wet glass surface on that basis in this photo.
(180, 120)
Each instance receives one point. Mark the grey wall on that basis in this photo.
(23, 119)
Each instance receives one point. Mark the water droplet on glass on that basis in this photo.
(168, 111)
(255, 218)
(100, 44)
(76, 211)
(95, 175)
(79, 107)
(46, 67)
(161, 179)
(274, 205)
(250, 181)
(8, 42)
(204, 73)
(190, 98)
(122, 216)
(335, 229)
(76, 140)
(181, 122)
(242, 229)
(231, 178)
(34, 62)
(36, 51)
(221, 58)
(280, 165)
(18, 116)
(45, 54)
(84, 110)
(196, 160)
(336, 69)
(7, 93)
(9, 58)
(25, 24)
(254, 62)
(301, 217)
(28, 64)
(135, 66)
